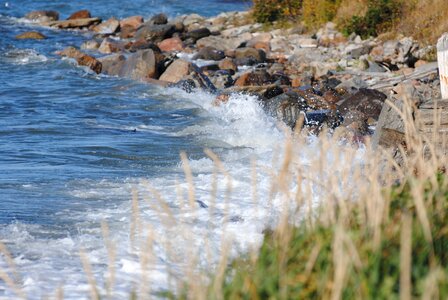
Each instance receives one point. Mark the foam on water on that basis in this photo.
(22, 56)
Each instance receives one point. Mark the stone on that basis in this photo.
(262, 38)
(31, 35)
(221, 79)
(307, 43)
(356, 51)
(279, 45)
(155, 33)
(112, 64)
(80, 14)
(134, 22)
(209, 53)
(227, 64)
(218, 42)
(158, 19)
(367, 101)
(255, 77)
(249, 56)
(110, 46)
(43, 16)
(90, 45)
(287, 107)
(73, 24)
(82, 59)
(108, 27)
(198, 34)
(141, 65)
(142, 45)
(127, 32)
(171, 44)
(193, 18)
(176, 71)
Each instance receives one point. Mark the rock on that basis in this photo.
(313, 101)
(159, 19)
(218, 42)
(420, 63)
(127, 32)
(176, 71)
(112, 64)
(256, 77)
(141, 65)
(367, 101)
(134, 22)
(108, 27)
(249, 56)
(43, 16)
(72, 24)
(279, 45)
(196, 80)
(110, 46)
(221, 79)
(80, 14)
(142, 45)
(171, 44)
(155, 33)
(209, 53)
(192, 19)
(31, 35)
(197, 34)
(82, 59)
(287, 107)
(356, 51)
(353, 84)
(227, 64)
(375, 67)
(90, 45)
(307, 43)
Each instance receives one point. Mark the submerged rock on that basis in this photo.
(31, 35)
(43, 16)
(82, 59)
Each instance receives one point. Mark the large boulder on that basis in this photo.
(112, 64)
(287, 107)
(43, 16)
(108, 27)
(82, 59)
(171, 44)
(176, 71)
(249, 56)
(141, 65)
(367, 101)
(80, 14)
(155, 33)
(209, 53)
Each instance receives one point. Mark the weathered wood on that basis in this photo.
(442, 57)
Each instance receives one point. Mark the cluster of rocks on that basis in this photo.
(327, 78)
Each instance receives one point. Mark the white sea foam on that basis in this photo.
(226, 208)
(23, 56)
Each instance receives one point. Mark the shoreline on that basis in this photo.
(329, 80)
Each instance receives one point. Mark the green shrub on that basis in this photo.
(380, 16)
(268, 11)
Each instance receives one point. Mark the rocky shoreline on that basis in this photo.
(331, 80)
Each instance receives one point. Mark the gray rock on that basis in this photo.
(249, 56)
(155, 33)
(90, 45)
(107, 27)
(112, 64)
(140, 65)
(42, 16)
(366, 101)
(158, 19)
(197, 34)
(209, 53)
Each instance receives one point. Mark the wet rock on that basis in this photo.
(287, 107)
(108, 27)
(196, 80)
(171, 44)
(209, 53)
(249, 56)
(112, 64)
(256, 77)
(82, 59)
(43, 16)
(221, 79)
(90, 45)
(73, 24)
(141, 65)
(158, 19)
(134, 22)
(197, 34)
(80, 14)
(227, 64)
(155, 33)
(110, 46)
(31, 35)
(176, 71)
(367, 101)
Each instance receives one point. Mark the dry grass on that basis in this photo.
(320, 250)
